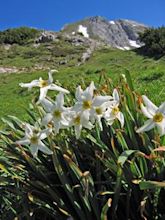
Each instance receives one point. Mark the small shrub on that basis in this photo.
(154, 40)
(18, 35)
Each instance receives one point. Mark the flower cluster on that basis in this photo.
(89, 108)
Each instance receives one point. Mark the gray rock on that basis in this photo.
(86, 56)
(63, 62)
(46, 36)
(122, 34)
(9, 70)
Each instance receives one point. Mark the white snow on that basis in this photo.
(112, 22)
(83, 31)
(121, 48)
(127, 48)
(133, 43)
(73, 33)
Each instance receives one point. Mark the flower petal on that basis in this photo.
(88, 93)
(50, 80)
(43, 92)
(48, 118)
(77, 107)
(28, 130)
(116, 95)
(145, 111)
(151, 107)
(85, 120)
(78, 129)
(98, 120)
(99, 100)
(44, 133)
(47, 105)
(42, 147)
(110, 121)
(30, 85)
(109, 116)
(78, 94)
(120, 117)
(162, 108)
(23, 141)
(148, 125)
(57, 126)
(58, 88)
(60, 100)
(34, 149)
(161, 127)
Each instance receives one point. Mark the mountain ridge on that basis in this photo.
(122, 33)
(72, 46)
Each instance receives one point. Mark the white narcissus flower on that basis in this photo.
(34, 137)
(87, 101)
(113, 112)
(156, 116)
(84, 98)
(98, 108)
(56, 113)
(80, 120)
(44, 85)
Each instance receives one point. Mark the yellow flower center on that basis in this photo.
(158, 117)
(115, 110)
(43, 83)
(57, 114)
(34, 139)
(98, 111)
(87, 104)
(77, 120)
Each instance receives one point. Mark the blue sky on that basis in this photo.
(53, 14)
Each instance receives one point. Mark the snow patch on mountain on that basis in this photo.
(83, 30)
(111, 22)
(122, 34)
(127, 48)
(133, 43)
(120, 48)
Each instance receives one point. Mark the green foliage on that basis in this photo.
(111, 174)
(154, 40)
(147, 74)
(18, 35)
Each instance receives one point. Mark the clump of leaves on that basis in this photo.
(19, 35)
(154, 42)
(113, 173)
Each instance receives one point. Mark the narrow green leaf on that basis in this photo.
(129, 79)
(124, 156)
(151, 185)
(105, 209)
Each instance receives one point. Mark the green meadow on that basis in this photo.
(147, 74)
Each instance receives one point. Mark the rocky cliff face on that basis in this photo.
(122, 34)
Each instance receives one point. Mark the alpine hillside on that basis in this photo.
(121, 34)
(81, 52)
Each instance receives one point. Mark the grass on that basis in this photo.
(148, 76)
(47, 54)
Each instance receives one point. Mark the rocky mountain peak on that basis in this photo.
(122, 33)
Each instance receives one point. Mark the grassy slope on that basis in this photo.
(148, 76)
(47, 54)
